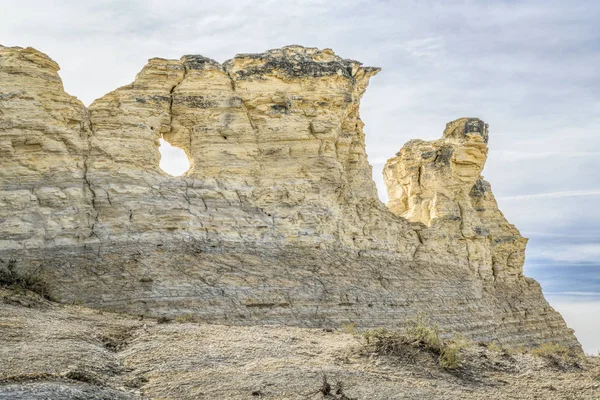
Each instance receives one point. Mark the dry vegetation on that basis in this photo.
(10, 277)
(559, 355)
(419, 335)
(63, 352)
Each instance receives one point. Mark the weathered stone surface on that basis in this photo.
(57, 352)
(276, 222)
(439, 184)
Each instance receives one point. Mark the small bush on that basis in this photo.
(187, 318)
(513, 351)
(550, 349)
(423, 335)
(350, 328)
(417, 335)
(494, 346)
(558, 354)
(450, 355)
(10, 277)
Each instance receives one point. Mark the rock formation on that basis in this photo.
(439, 184)
(276, 222)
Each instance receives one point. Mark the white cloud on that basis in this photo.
(581, 314)
(553, 195)
(523, 155)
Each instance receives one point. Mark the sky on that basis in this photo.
(528, 68)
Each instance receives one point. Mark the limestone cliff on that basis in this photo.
(439, 184)
(276, 222)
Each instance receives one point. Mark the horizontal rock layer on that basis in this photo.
(277, 221)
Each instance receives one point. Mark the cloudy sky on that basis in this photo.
(528, 68)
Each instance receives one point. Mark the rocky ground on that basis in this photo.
(52, 351)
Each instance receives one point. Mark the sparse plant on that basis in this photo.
(330, 392)
(420, 335)
(558, 354)
(23, 280)
(164, 320)
(494, 346)
(350, 328)
(513, 351)
(187, 318)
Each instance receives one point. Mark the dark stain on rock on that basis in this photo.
(195, 101)
(478, 190)
(198, 62)
(475, 125)
(444, 155)
(428, 154)
(280, 108)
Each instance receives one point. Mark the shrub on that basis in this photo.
(450, 355)
(557, 353)
(184, 318)
(494, 346)
(417, 335)
(385, 342)
(350, 328)
(10, 277)
(164, 320)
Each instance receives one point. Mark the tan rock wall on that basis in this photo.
(44, 199)
(439, 184)
(277, 221)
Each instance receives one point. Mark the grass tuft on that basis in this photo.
(12, 278)
(418, 335)
(558, 354)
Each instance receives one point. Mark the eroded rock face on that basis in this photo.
(276, 222)
(439, 184)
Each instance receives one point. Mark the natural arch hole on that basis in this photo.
(173, 160)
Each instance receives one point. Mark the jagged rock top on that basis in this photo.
(30, 54)
(291, 61)
(295, 61)
(462, 128)
(198, 62)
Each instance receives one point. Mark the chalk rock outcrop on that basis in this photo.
(276, 222)
(439, 184)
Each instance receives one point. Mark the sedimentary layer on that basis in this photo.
(276, 222)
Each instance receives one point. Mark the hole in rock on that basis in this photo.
(173, 160)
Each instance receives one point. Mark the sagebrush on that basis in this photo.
(418, 335)
(24, 280)
(558, 354)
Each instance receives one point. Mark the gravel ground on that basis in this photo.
(51, 351)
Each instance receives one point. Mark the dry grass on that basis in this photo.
(185, 318)
(22, 280)
(350, 328)
(494, 346)
(419, 335)
(558, 354)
